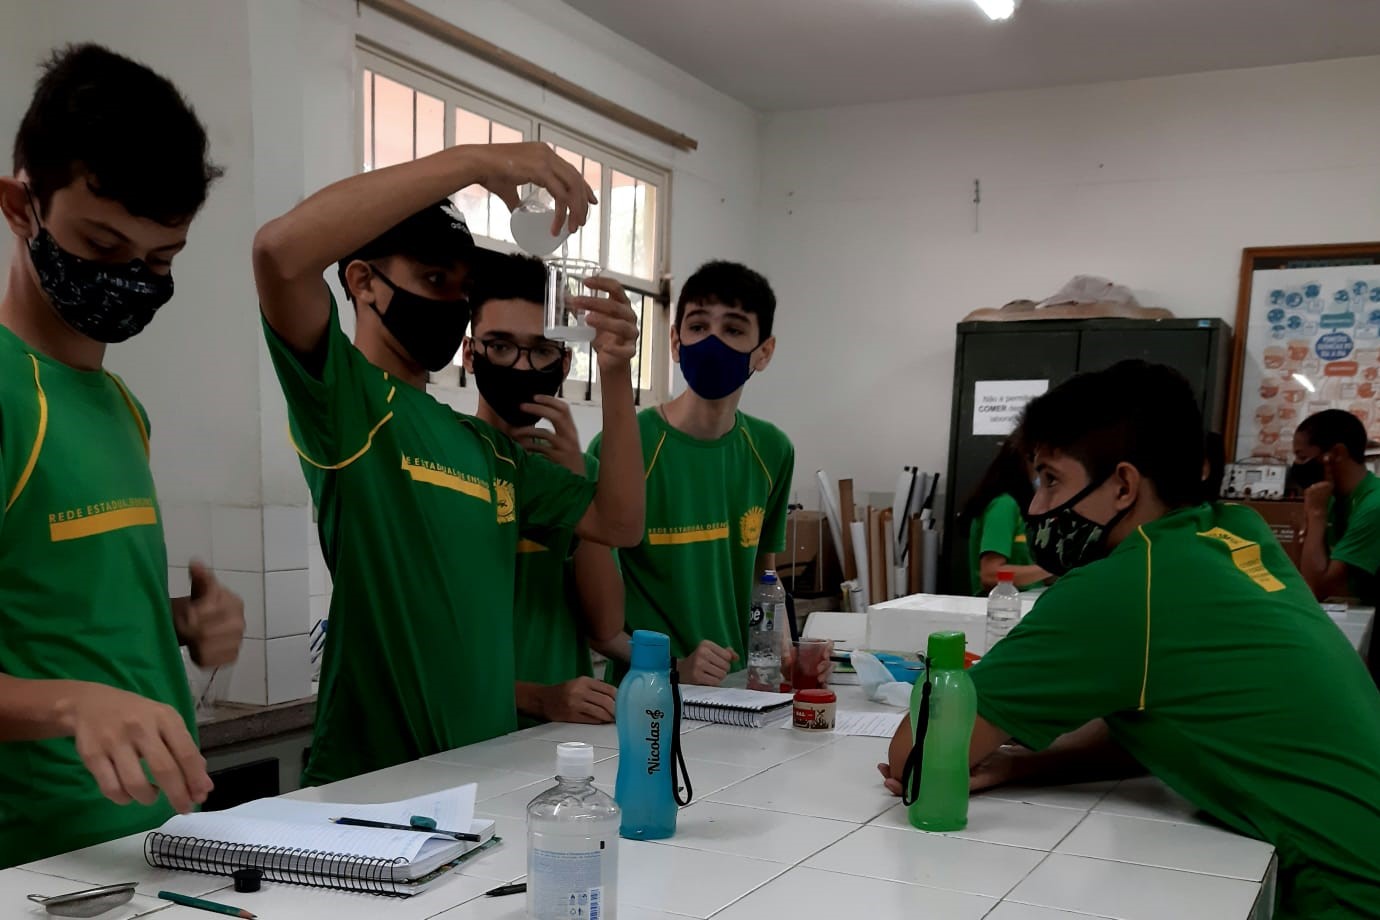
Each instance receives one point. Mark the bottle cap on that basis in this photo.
(574, 760)
(945, 651)
(769, 577)
(1006, 575)
(247, 880)
(651, 651)
(815, 696)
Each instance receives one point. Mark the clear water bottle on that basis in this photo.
(647, 719)
(572, 844)
(1003, 608)
(764, 642)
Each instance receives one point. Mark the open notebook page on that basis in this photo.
(452, 809)
(732, 698)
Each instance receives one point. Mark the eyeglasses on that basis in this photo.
(503, 353)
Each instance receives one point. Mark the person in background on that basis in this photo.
(1179, 637)
(96, 718)
(420, 509)
(995, 515)
(1214, 466)
(1341, 499)
(569, 591)
(717, 480)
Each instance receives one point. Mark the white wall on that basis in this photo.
(868, 233)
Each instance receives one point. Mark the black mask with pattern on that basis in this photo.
(1061, 539)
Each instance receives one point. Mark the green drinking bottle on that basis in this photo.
(942, 710)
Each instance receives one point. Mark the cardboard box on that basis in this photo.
(1286, 520)
(810, 566)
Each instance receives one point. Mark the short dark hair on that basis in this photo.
(129, 130)
(435, 235)
(1133, 412)
(732, 285)
(507, 276)
(1331, 427)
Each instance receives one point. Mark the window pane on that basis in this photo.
(584, 243)
(622, 206)
(644, 232)
(498, 211)
(431, 125)
(503, 134)
(368, 120)
(470, 128)
(392, 122)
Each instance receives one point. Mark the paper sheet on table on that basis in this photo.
(452, 809)
(865, 724)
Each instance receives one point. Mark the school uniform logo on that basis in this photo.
(505, 501)
(750, 527)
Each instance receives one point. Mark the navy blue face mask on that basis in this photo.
(713, 369)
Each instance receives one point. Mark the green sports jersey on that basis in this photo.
(549, 643)
(712, 507)
(1202, 647)
(1000, 530)
(83, 587)
(1353, 537)
(419, 510)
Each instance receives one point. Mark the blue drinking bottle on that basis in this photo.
(648, 712)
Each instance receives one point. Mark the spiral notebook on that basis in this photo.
(296, 842)
(730, 706)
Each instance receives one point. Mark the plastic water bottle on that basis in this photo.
(764, 642)
(646, 715)
(1003, 607)
(942, 803)
(572, 844)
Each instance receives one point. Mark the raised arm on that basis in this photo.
(291, 252)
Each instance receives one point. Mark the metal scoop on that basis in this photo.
(89, 903)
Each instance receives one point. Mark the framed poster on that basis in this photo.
(1308, 339)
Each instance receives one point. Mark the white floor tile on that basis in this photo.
(838, 781)
(690, 882)
(513, 804)
(17, 884)
(1147, 797)
(302, 903)
(502, 863)
(529, 755)
(706, 777)
(1008, 910)
(416, 778)
(814, 893)
(122, 861)
(1189, 847)
(1082, 796)
(514, 907)
(1038, 827)
(1128, 892)
(760, 747)
(932, 860)
(741, 831)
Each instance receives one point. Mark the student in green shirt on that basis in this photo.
(1341, 537)
(996, 523)
(1180, 637)
(420, 508)
(717, 479)
(97, 732)
(569, 592)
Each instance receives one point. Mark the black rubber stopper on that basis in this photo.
(247, 879)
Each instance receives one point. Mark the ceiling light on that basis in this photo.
(997, 10)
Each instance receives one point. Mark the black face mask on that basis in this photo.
(429, 330)
(108, 302)
(505, 389)
(1308, 473)
(1061, 539)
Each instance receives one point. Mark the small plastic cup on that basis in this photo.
(565, 279)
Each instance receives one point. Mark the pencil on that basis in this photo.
(361, 822)
(211, 906)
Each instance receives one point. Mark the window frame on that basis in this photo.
(535, 127)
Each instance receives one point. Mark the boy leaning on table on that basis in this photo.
(110, 167)
(420, 508)
(1181, 637)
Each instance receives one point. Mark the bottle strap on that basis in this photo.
(910, 775)
(678, 772)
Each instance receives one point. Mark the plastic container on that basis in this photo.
(767, 616)
(646, 716)
(814, 710)
(1003, 608)
(572, 844)
(942, 800)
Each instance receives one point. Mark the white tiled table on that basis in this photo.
(784, 824)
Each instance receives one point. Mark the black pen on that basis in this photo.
(504, 890)
(361, 822)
